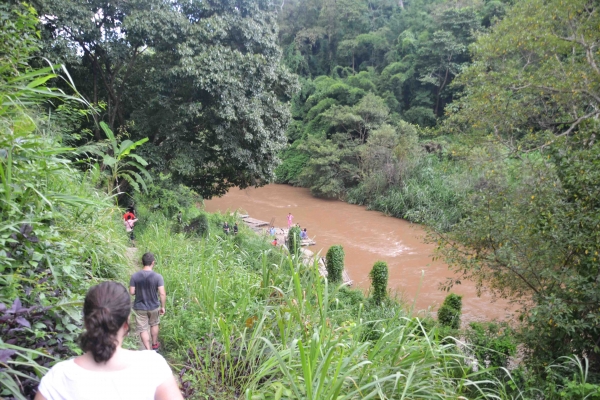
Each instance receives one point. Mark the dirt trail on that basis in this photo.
(132, 258)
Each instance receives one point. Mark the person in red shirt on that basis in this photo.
(129, 219)
(128, 215)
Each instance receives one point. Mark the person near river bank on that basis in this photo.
(146, 285)
(106, 370)
(290, 217)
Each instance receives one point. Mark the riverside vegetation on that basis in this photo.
(244, 320)
(478, 119)
(507, 180)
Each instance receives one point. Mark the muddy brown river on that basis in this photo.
(367, 236)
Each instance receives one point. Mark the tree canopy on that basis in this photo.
(532, 232)
(201, 80)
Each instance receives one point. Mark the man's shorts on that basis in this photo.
(144, 319)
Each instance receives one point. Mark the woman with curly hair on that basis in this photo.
(106, 370)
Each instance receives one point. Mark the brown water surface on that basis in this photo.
(367, 236)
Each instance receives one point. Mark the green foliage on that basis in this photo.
(19, 37)
(518, 234)
(532, 232)
(199, 225)
(293, 240)
(560, 90)
(419, 115)
(420, 189)
(394, 64)
(293, 162)
(59, 233)
(331, 166)
(335, 263)
(569, 378)
(492, 343)
(450, 311)
(210, 93)
(123, 164)
(169, 197)
(379, 280)
(454, 301)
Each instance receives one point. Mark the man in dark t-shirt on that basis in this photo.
(146, 285)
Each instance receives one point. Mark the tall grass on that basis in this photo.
(59, 233)
(431, 192)
(245, 320)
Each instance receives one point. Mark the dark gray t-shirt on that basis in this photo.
(146, 285)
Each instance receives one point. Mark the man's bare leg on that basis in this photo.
(154, 332)
(146, 339)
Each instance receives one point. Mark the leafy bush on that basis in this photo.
(170, 197)
(59, 233)
(450, 310)
(379, 280)
(199, 225)
(492, 343)
(335, 263)
(293, 240)
(293, 163)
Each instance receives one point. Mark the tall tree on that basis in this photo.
(201, 79)
(215, 106)
(103, 40)
(537, 72)
(533, 230)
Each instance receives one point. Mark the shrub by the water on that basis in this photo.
(379, 279)
(293, 241)
(199, 225)
(493, 344)
(450, 310)
(335, 263)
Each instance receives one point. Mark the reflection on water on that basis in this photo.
(367, 236)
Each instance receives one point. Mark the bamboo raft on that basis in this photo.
(253, 222)
(281, 234)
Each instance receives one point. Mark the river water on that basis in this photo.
(367, 236)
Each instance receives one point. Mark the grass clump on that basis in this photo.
(379, 279)
(335, 263)
(450, 310)
(293, 240)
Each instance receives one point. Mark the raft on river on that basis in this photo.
(281, 234)
(259, 226)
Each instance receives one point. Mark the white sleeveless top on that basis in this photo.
(68, 381)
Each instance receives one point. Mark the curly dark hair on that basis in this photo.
(105, 310)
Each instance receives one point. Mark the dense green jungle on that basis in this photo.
(476, 118)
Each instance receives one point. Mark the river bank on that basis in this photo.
(367, 236)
